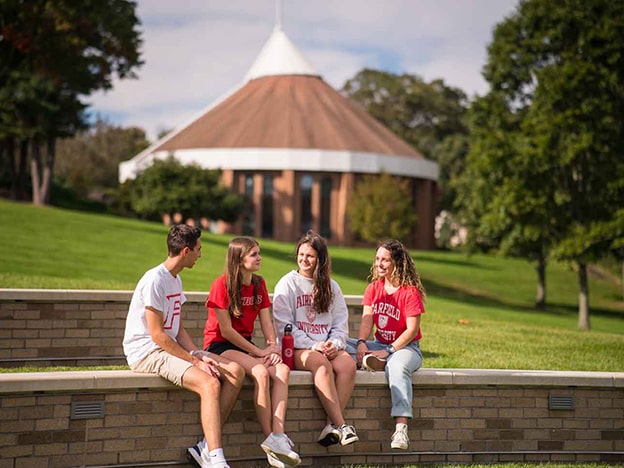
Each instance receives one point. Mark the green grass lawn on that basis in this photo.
(479, 308)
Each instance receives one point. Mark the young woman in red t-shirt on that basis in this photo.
(236, 299)
(393, 303)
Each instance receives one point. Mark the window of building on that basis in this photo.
(326, 190)
(306, 183)
(249, 217)
(267, 206)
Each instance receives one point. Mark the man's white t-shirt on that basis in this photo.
(159, 289)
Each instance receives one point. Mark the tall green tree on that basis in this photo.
(52, 54)
(429, 116)
(503, 195)
(558, 67)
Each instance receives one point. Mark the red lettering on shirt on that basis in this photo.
(174, 306)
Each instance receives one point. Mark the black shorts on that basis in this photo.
(219, 347)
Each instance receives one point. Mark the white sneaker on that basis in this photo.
(275, 462)
(330, 435)
(372, 363)
(280, 447)
(194, 454)
(347, 434)
(400, 440)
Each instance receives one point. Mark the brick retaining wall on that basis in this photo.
(118, 418)
(83, 327)
(461, 416)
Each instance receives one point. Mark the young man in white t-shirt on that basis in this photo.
(155, 341)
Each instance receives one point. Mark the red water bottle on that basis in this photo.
(288, 347)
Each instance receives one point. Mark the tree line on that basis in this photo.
(54, 53)
(533, 169)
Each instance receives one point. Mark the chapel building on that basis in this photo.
(296, 149)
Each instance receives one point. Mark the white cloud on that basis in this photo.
(197, 50)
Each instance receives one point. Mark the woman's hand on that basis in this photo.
(382, 354)
(271, 355)
(362, 350)
(272, 359)
(273, 348)
(328, 349)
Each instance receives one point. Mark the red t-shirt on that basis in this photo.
(219, 299)
(390, 311)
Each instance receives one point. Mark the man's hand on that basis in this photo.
(206, 363)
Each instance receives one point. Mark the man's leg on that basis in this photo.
(208, 389)
(232, 377)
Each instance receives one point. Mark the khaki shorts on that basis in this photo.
(164, 364)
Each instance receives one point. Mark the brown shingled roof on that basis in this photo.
(289, 111)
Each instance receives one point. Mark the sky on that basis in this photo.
(196, 52)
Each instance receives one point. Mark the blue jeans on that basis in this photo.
(399, 368)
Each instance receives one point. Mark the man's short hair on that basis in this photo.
(181, 236)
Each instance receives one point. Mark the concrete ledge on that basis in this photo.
(102, 296)
(123, 379)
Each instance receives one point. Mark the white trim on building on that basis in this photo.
(267, 159)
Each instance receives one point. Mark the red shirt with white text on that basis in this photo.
(219, 299)
(390, 311)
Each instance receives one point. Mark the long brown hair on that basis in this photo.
(237, 249)
(322, 291)
(404, 269)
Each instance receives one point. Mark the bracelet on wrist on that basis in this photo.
(360, 341)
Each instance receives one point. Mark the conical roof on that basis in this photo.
(286, 104)
(279, 56)
(289, 111)
(283, 110)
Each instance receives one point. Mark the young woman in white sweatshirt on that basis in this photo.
(313, 304)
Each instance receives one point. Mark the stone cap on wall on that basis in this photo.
(102, 380)
(105, 295)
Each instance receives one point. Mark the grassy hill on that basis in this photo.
(479, 308)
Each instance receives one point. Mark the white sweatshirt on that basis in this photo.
(292, 303)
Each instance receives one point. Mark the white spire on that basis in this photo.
(279, 56)
(278, 14)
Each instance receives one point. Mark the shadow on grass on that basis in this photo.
(356, 269)
(480, 300)
(359, 269)
(450, 262)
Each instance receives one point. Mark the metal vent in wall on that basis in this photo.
(561, 402)
(87, 409)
